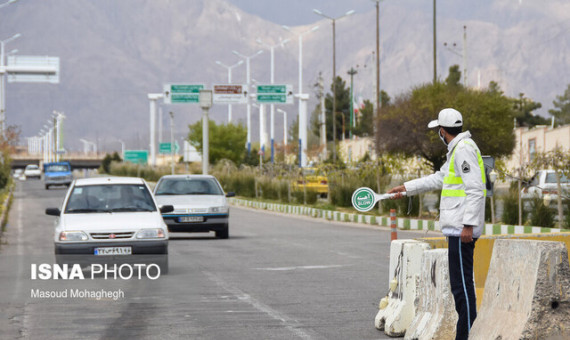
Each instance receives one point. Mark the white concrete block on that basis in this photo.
(405, 265)
(527, 292)
(435, 316)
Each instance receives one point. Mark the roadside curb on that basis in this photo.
(402, 223)
(6, 208)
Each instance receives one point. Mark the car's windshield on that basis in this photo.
(32, 167)
(57, 168)
(110, 198)
(188, 186)
(551, 178)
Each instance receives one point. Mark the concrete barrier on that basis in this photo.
(484, 250)
(435, 316)
(397, 308)
(527, 292)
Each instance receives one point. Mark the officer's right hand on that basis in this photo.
(397, 190)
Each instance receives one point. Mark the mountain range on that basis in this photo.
(113, 53)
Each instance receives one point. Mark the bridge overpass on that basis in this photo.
(77, 160)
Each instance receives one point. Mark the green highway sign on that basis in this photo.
(136, 156)
(182, 93)
(164, 148)
(272, 89)
(274, 94)
(272, 98)
(186, 88)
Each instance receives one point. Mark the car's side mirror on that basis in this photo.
(166, 209)
(230, 194)
(53, 212)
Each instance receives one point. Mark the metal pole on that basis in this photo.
(229, 105)
(172, 141)
(352, 72)
(465, 56)
(248, 107)
(262, 128)
(393, 226)
(434, 45)
(272, 109)
(377, 68)
(152, 146)
(323, 118)
(334, 93)
(205, 142)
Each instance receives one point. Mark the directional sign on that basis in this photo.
(165, 148)
(136, 156)
(33, 69)
(230, 94)
(182, 93)
(274, 94)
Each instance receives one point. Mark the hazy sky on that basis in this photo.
(300, 12)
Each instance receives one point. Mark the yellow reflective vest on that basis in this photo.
(462, 183)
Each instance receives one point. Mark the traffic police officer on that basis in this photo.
(461, 211)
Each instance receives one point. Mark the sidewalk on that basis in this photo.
(403, 223)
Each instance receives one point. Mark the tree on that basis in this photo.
(453, 80)
(342, 111)
(227, 141)
(562, 105)
(523, 109)
(106, 163)
(365, 122)
(487, 114)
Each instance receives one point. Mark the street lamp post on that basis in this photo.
(463, 55)
(272, 107)
(229, 82)
(205, 103)
(153, 97)
(7, 3)
(3, 82)
(284, 126)
(334, 71)
(172, 142)
(247, 58)
(303, 98)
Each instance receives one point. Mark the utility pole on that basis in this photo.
(434, 46)
(351, 72)
(334, 71)
(323, 126)
(172, 141)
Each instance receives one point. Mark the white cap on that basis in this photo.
(447, 118)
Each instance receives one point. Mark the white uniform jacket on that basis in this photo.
(467, 208)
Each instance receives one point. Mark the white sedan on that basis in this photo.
(199, 203)
(110, 218)
(32, 171)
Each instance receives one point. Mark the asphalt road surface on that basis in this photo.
(276, 277)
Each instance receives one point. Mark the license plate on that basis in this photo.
(114, 251)
(191, 219)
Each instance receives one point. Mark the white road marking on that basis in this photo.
(302, 267)
(290, 324)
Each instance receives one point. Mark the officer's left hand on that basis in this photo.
(467, 234)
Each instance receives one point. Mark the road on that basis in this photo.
(277, 277)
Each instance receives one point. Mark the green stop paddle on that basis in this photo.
(364, 199)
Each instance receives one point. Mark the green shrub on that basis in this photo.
(541, 215)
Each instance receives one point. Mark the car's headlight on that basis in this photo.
(73, 236)
(151, 233)
(223, 209)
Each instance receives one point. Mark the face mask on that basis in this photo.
(441, 137)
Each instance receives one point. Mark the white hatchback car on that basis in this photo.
(110, 218)
(199, 203)
(32, 171)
